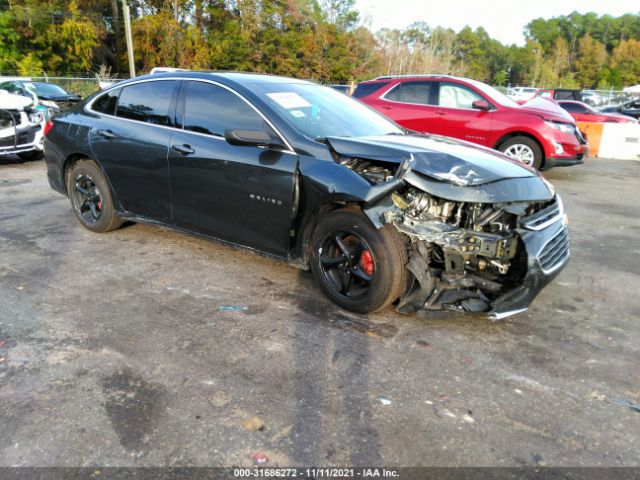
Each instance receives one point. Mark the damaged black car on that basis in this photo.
(295, 170)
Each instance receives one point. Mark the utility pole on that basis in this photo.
(127, 32)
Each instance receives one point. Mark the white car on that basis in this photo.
(592, 98)
(22, 125)
(522, 94)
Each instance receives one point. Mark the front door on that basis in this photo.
(458, 118)
(242, 194)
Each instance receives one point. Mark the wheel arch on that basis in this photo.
(302, 241)
(71, 159)
(68, 163)
(520, 133)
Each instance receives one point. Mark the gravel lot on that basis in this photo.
(114, 351)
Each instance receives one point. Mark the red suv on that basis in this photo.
(541, 134)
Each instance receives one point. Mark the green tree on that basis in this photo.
(590, 61)
(625, 63)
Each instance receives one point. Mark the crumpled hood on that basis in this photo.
(442, 158)
(9, 101)
(548, 109)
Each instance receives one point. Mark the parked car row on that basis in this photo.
(47, 94)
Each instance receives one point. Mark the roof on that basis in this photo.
(242, 78)
(415, 76)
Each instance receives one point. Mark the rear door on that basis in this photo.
(130, 139)
(242, 194)
(457, 116)
(411, 104)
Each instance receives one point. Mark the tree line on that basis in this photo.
(324, 40)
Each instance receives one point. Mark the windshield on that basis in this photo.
(494, 94)
(320, 112)
(45, 88)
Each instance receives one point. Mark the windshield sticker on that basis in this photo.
(298, 113)
(288, 100)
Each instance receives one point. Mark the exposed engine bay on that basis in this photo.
(462, 255)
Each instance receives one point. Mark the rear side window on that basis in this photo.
(366, 89)
(411, 92)
(147, 102)
(107, 103)
(211, 109)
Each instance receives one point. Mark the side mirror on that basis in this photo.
(481, 105)
(253, 138)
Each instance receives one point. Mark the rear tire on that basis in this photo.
(365, 269)
(524, 149)
(91, 197)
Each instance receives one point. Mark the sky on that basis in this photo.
(503, 19)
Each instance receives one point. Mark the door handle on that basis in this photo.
(440, 112)
(183, 149)
(106, 133)
(384, 107)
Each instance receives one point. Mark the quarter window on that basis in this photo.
(453, 95)
(366, 89)
(107, 103)
(211, 109)
(147, 102)
(411, 92)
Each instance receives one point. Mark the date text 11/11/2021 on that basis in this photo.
(315, 473)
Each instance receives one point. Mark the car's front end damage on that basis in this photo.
(21, 125)
(484, 236)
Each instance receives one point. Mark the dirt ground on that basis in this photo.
(116, 350)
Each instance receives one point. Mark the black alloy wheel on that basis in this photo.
(359, 267)
(87, 198)
(91, 197)
(347, 264)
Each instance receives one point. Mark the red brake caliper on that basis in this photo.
(366, 262)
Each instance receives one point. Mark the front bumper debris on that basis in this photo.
(523, 263)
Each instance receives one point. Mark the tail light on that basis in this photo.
(47, 127)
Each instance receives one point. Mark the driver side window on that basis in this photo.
(211, 109)
(453, 95)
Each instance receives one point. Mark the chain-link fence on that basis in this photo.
(83, 84)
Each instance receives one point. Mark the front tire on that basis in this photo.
(358, 267)
(91, 197)
(524, 149)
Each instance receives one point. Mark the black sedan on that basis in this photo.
(301, 172)
(46, 92)
(630, 108)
